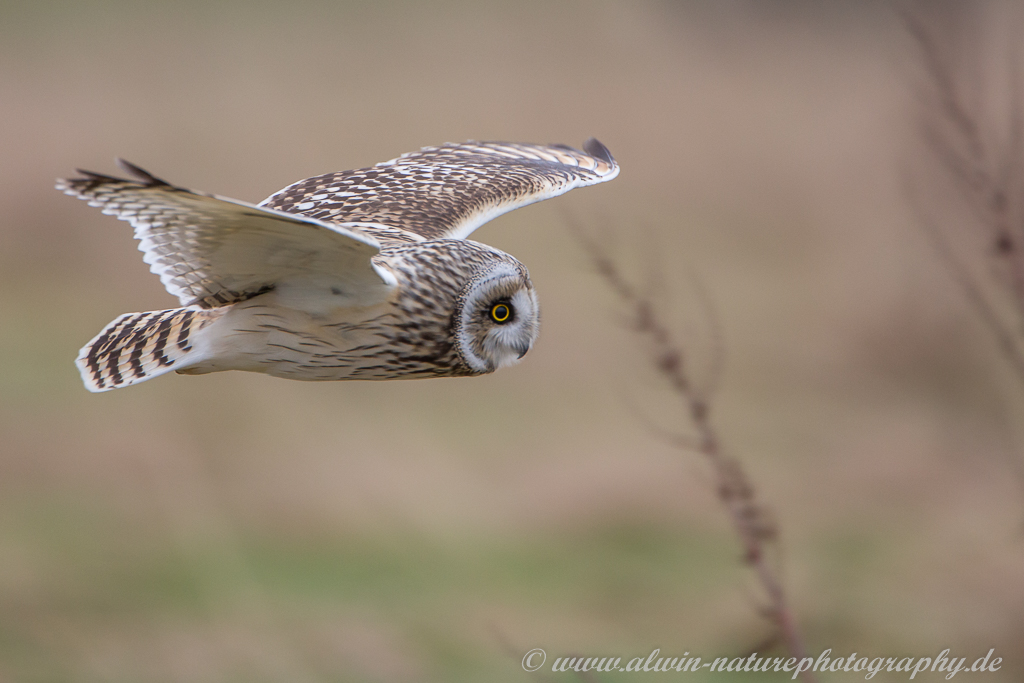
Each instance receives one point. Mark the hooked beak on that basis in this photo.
(522, 350)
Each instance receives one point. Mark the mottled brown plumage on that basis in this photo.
(363, 274)
(447, 191)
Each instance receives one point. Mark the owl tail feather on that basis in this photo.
(138, 346)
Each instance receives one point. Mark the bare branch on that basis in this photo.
(685, 442)
(709, 311)
(988, 182)
(989, 185)
(1006, 341)
(946, 87)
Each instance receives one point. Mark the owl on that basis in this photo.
(365, 274)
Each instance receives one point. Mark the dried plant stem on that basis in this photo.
(972, 289)
(988, 175)
(750, 520)
(955, 135)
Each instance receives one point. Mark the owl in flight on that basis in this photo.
(364, 274)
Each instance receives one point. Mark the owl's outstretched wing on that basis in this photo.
(213, 251)
(451, 190)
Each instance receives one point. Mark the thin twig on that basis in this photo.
(989, 179)
(685, 442)
(1006, 341)
(989, 182)
(716, 363)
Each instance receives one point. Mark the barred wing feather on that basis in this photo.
(212, 251)
(448, 191)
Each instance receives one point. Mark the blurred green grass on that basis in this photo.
(115, 575)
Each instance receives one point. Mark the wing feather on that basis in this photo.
(451, 190)
(212, 251)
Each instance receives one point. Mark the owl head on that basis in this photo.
(496, 316)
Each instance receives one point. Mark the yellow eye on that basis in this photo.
(501, 313)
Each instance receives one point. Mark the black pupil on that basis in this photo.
(500, 313)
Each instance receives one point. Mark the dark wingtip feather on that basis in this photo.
(100, 178)
(594, 148)
(140, 173)
(93, 175)
(87, 181)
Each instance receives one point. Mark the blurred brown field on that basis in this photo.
(235, 527)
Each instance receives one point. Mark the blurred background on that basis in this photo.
(234, 527)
